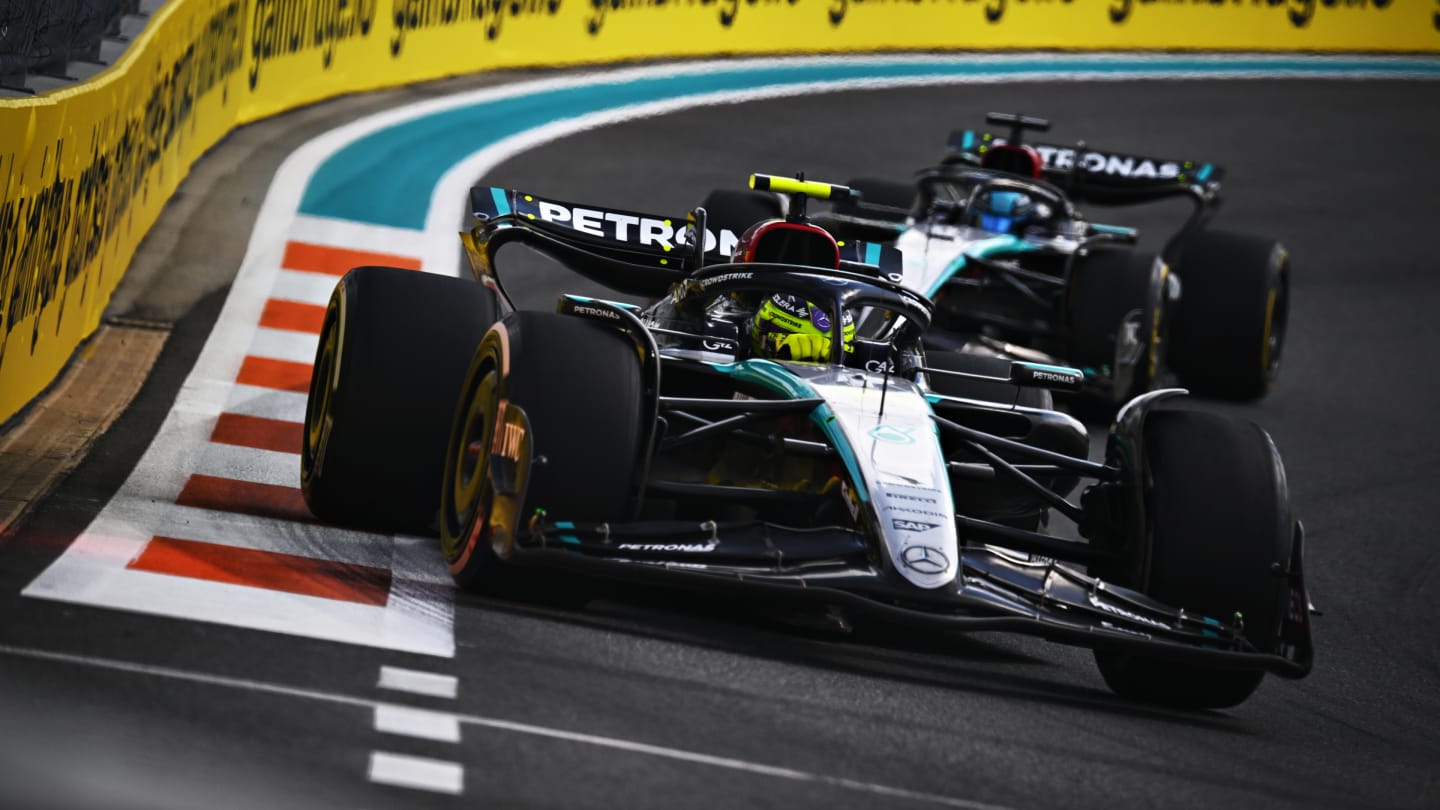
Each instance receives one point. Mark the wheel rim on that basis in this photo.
(323, 381)
(1152, 348)
(466, 493)
(1277, 311)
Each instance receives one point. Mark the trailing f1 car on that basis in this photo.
(993, 236)
(687, 442)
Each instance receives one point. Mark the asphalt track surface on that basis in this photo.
(701, 704)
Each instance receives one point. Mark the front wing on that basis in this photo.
(997, 589)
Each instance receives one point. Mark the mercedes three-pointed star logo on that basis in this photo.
(926, 559)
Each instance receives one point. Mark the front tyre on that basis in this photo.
(548, 419)
(1220, 530)
(393, 350)
(1229, 327)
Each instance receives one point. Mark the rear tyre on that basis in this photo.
(1220, 522)
(579, 384)
(1229, 327)
(394, 346)
(1003, 393)
(1111, 293)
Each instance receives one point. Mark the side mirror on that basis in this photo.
(699, 221)
(1113, 233)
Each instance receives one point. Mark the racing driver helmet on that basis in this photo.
(787, 327)
(1001, 211)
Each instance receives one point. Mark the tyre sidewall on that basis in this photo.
(395, 339)
(1218, 525)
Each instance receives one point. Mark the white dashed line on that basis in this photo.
(419, 773)
(421, 723)
(419, 683)
(612, 743)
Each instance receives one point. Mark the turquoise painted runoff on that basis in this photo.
(387, 177)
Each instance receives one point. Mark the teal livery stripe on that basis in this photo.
(502, 205)
(1044, 367)
(774, 376)
(983, 249)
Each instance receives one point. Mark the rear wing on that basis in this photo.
(646, 239)
(1104, 177)
(629, 251)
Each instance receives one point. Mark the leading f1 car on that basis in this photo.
(696, 441)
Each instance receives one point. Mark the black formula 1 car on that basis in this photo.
(665, 443)
(994, 237)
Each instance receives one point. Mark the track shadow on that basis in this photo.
(989, 664)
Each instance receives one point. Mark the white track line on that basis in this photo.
(277, 536)
(354, 235)
(414, 562)
(418, 683)
(418, 773)
(420, 723)
(414, 620)
(612, 743)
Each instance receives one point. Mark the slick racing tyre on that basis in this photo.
(876, 196)
(565, 396)
(1220, 529)
(394, 346)
(1115, 307)
(1229, 327)
(1002, 393)
(736, 210)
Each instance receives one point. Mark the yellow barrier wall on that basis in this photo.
(85, 171)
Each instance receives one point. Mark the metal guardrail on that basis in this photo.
(48, 44)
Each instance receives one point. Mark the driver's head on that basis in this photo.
(787, 327)
(1002, 211)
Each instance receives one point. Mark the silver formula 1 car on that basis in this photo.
(995, 237)
(665, 443)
